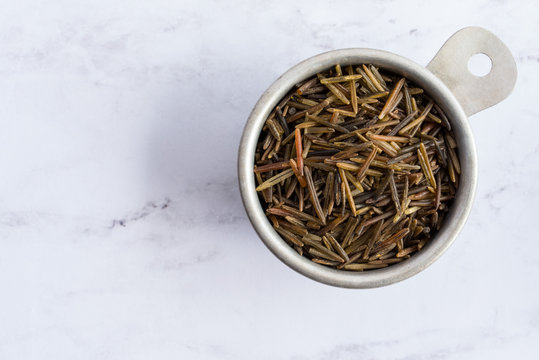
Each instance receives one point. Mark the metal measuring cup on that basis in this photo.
(448, 82)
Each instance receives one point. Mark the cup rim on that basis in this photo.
(460, 208)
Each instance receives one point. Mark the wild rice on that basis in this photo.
(357, 170)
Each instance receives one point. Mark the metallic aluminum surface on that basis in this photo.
(449, 83)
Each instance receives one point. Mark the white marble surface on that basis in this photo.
(122, 234)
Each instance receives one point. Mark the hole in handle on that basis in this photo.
(480, 64)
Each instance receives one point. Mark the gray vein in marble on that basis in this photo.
(528, 58)
(453, 345)
(174, 265)
(148, 209)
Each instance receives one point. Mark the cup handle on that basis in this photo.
(475, 93)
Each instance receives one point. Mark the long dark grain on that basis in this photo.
(313, 196)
